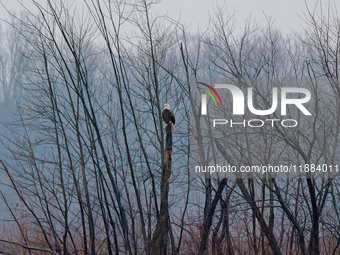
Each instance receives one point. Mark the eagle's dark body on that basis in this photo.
(168, 116)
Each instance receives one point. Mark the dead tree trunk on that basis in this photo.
(158, 245)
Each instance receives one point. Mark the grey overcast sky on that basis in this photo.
(195, 13)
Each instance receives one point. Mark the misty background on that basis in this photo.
(83, 85)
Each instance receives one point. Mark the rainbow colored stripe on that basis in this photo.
(213, 90)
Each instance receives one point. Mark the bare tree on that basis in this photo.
(84, 169)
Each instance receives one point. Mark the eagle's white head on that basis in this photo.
(167, 106)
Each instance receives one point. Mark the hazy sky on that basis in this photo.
(286, 13)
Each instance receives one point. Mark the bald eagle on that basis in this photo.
(168, 115)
